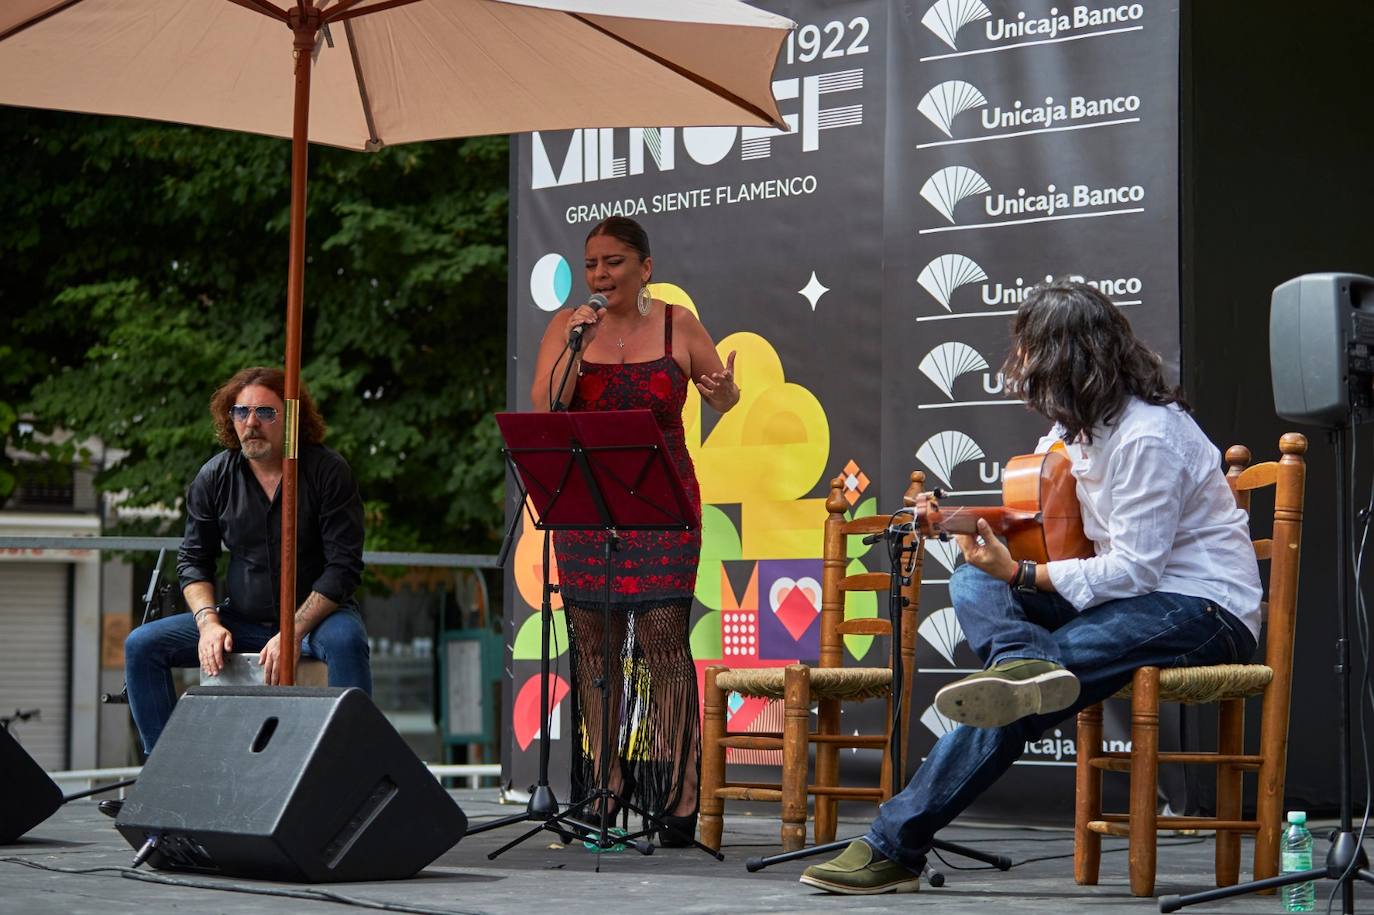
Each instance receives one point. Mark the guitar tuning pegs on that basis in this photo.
(938, 492)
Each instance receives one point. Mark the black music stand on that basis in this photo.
(591, 471)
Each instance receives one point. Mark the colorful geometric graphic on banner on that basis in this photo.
(525, 715)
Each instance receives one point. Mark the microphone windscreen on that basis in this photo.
(598, 302)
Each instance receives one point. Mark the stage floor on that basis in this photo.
(542, 873)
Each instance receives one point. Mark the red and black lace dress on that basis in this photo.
(654, 714)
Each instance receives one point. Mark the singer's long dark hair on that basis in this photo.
(1075, 360)
(623, 229)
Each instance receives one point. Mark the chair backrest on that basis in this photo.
(836, 581)
(1283, 550)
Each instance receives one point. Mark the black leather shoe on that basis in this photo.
(111, 807)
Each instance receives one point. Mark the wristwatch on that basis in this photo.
(1025, 576)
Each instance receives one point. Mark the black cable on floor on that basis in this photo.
(129, 873)
(1105, 851)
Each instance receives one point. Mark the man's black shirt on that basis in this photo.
(226, 503)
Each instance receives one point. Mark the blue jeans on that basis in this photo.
(153, 649)
(1103, 646)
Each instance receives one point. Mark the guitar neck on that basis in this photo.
(964, 519)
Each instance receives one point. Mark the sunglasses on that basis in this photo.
(241, 412)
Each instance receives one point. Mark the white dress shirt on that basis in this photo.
(1161, 516)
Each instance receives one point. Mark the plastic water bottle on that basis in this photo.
(1296, 856)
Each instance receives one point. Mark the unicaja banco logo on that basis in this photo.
(951, 184)
(948, 361)
(944, 451)
(947, 273)
(945, 552)
(942, 103)
(947, 17)
(941, 630)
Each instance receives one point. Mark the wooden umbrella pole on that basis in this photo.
(304, 20)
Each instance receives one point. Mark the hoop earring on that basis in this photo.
(645, 301)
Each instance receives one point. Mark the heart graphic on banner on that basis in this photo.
(795, 603)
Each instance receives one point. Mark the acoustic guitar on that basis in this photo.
(1039, 515)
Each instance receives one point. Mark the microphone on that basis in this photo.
(598, 303)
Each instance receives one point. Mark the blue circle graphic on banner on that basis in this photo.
(551, 282)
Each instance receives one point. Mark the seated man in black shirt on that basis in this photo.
(235, 498)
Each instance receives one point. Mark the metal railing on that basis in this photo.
(90, 777)
(372, 557)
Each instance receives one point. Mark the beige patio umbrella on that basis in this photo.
(386, 72)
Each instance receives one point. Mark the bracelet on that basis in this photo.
(210, 607)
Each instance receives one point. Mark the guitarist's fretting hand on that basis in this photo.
(987, 552)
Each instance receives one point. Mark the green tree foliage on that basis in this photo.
(144, 263)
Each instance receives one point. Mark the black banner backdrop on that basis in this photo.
(941, 158)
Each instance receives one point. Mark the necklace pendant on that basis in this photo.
(620, 342)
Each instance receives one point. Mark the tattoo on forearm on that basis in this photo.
(315, 608)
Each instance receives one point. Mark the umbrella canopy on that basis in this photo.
(388, 72)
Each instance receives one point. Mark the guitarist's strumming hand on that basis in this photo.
(987, 552)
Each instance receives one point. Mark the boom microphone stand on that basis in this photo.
(1346, 861)
(153, 594)
(901, 542)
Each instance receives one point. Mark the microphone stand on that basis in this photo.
(573, 346)
(542, 807)
(900, 577)
(153, 593)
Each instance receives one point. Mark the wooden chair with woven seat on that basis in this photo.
(1227, 685)
(828, 684)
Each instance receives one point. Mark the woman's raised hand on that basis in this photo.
(718, 388)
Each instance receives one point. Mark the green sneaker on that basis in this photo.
(861, 871)
(1006, 692)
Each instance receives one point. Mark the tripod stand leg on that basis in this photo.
(498, 824)
(1001, 862)
(543, 805)
(1174, 903)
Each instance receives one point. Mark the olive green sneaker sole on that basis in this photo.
(903, 885)
(992, 702)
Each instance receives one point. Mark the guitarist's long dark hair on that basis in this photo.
(1075, 360)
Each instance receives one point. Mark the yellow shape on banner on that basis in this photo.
(766, 453)
(782, 530)
(772, 446)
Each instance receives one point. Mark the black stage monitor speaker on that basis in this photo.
(27, 795)
(288, 783)
(1321, 348)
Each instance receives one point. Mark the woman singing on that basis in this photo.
(637, 353)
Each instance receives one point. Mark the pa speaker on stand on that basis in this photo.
(1321, 357)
